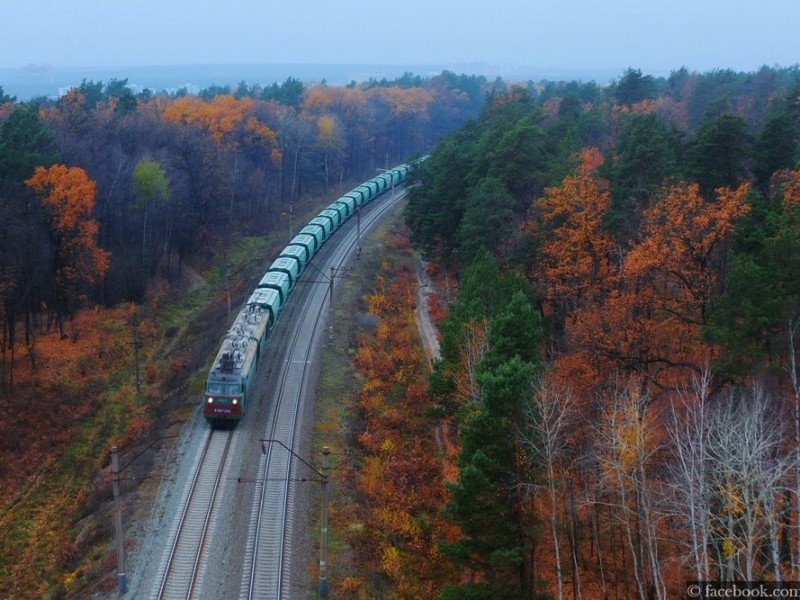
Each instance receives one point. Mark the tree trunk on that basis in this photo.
(573, 542)
(551, 485)
(144, 234)
(796, 414)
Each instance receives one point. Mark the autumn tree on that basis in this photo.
(576, 266)
(67, 195)
(647, 315)
(405, 113)
(233, 126)
(348, 107)
(149, 185)
(401, 472)
(680, 257)
(224, 118)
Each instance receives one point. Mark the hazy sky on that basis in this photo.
(653, 36)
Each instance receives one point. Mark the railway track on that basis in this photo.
(186, 571)
(185, 562)
(268, 554)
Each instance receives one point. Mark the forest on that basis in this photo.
(617, 406)
(141, 185)
(619, 353)
(130, 224)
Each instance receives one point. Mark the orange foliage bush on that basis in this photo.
(789, 183)
(401, 476)
(436, 308)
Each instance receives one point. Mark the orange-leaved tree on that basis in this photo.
(651, 322)
(406, 111)
(671, 276)
(229, 121)
(576, 252)
(346, 107)
(575, 267)
(637, 309)
(67, 196)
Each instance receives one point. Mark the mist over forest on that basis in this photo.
(49, 81)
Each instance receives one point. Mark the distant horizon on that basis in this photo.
(37, 80)
(43, 79)
(580, 36)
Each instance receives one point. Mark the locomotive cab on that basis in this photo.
(224, 399)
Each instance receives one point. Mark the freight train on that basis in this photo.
(233, 372)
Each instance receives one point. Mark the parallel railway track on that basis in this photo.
(186, 557)
(267, 554)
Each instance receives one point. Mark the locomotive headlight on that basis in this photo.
(210, 400)
(235, 401)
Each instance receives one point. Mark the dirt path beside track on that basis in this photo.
(427, 330)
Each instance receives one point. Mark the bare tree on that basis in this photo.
(750, 467)
(688, 476)
(625, 444)
(549, 415)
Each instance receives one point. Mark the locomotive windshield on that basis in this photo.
(227, 389)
